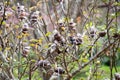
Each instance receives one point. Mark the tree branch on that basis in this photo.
(93, 58)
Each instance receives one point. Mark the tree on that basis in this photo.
(57, 39)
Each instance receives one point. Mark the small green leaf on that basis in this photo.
(48, 34)
(3, 23)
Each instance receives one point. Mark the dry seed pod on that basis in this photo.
(25, 28)
(72, 27)
(34, 16)
(57, 38)
(60, 70)
(1, 7)
(59, 0)
(61, 25)
(78, 41)
(102, 34)
(71, 38)
(75, 40)
(20, 9)
(43, 63)
(92, 32)
(21, 12)
(116, 35)
(26, 51)
(72, 23)
(22, 15)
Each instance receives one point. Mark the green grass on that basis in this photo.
(104, 69)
